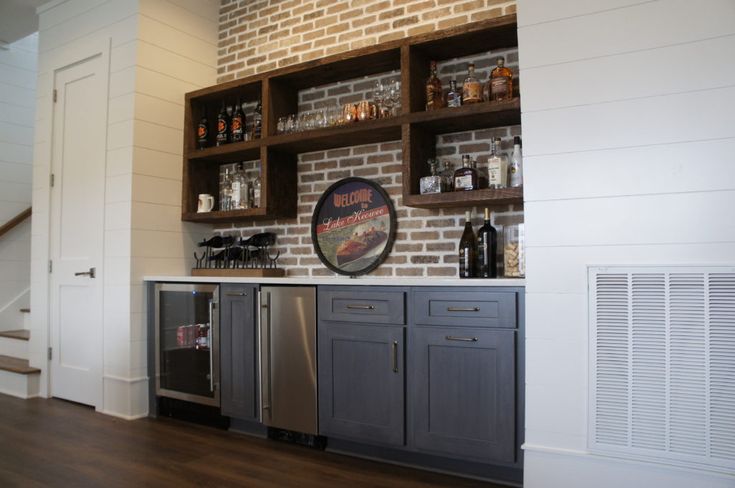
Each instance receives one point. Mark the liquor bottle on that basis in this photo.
(448, 175)
(487, 248)
(434, 91)
(225, 190)
(500, 85)
(481, 174)
(237, 124)
(454, 98)
(497, 167)
(202, 133)
(223, 126)
(239, 188)
(257, 121)
(433, 183)
(516, 164)
(467, 250)
(472, 88)
(465, 178)
(256, 190)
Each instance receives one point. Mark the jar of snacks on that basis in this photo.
(514, 253)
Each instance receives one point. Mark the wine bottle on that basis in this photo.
(467, 250)
(237, 131)
(223, 126)
(217, 241)
(487, 248)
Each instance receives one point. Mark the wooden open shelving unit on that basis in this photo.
(416, 128)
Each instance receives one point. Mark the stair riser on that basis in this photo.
(19, 385)
(13, 347)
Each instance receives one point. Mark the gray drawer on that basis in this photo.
(371, 307)
(463, 308)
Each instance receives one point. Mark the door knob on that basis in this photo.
(91, 273)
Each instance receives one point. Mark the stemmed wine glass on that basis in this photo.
(395, 97)
(379, 95)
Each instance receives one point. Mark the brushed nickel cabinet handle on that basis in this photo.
(395, 356)
(463, 309)
(361, 307)
(236, 294)
(91, 273)
(462, 339)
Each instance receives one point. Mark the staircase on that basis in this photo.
(17, 378)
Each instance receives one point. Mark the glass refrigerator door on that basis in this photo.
(186, 325)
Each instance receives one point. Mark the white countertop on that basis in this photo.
(327, 280)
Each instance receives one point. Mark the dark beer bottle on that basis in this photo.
(223, 126)
(202, 133)
(237, 125)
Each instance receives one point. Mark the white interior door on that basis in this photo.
(77, 225)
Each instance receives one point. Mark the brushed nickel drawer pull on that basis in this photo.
(236, 294)
(463, 309)
(361, 307)
(462, 339)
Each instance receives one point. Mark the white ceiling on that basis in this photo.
(18, 19)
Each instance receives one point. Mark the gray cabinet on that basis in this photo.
(361, 382)
(238, 358)
(463, 392)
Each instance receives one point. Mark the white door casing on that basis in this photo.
(78, 160)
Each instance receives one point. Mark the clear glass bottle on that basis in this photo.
(516, 164)
(465, 178)
(448, 175)
(454, 97)
(225, 190)
(257, 121)
(257, 190)
(434, 90)
(487, 248)
(497, 167)
(500, 85)
(514, 256)
(467, 249)
(239, 185)
(472, 88)
(433, 183)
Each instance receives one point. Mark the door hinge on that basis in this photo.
(55, 95)
(50, 353)
(52, 180)
(50, 266)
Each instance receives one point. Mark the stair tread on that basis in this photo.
(17, 365)
(25, 310)
(22, 335)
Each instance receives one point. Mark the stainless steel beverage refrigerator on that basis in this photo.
(187, 342)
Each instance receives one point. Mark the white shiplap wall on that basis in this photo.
(629, 134)
(156, 56)
(18, 64)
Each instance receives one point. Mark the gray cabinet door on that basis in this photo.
(361, 382)
(463, 392)
(238, 359)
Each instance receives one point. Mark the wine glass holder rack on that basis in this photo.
(414, 127)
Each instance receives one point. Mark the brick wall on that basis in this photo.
(426, 242)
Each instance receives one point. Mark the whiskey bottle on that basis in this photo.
(448, 175)
(500, 85)
(454, 98)
(516, 164)
(467, 250)
(223, 126)
(472, 88)
(237, 124)
(487, 248)
(202, 133)
(465, 178)
(497, 167)
(434, 90)
(481, 174)
(257, 121)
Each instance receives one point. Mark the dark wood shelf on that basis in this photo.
(228, 153)
(219, 217)
(469, 117)
(486, 197)
(415, 128)
(355, 134)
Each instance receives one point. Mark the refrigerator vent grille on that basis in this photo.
(662, 354)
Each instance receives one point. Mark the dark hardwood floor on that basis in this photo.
(56, 443)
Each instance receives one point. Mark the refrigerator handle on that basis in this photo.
(265, 357)
(211, 344)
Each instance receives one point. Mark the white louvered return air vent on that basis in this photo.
(662, 352)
